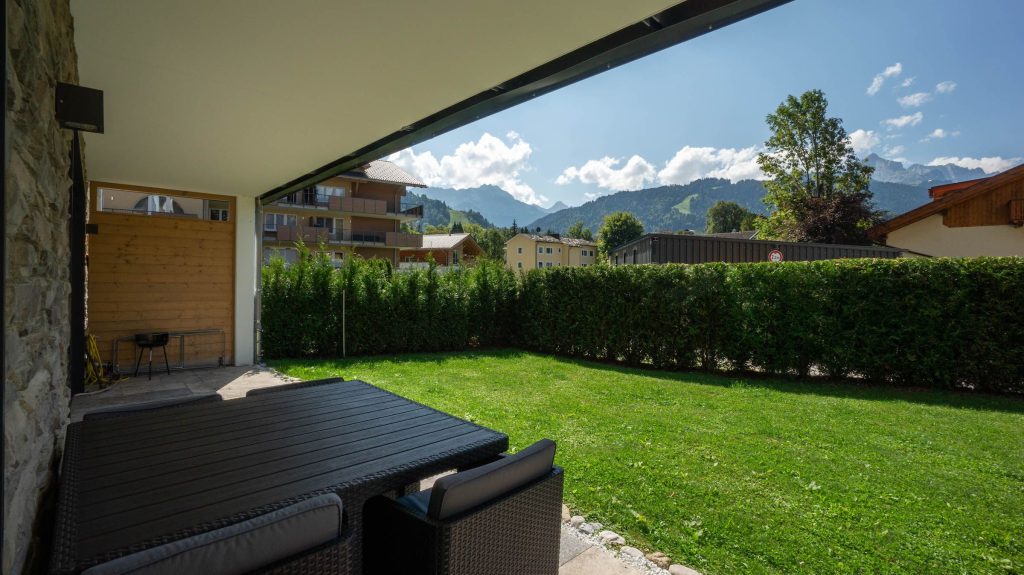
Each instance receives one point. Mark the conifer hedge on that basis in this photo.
(951, 323)
(384, 311)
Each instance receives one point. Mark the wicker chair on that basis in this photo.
(500, 518)
(290, 386)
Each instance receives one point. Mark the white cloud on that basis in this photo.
(938, 134)
(914, 100)
(904, 121)
(863, 141)
(632, 176)
(879, 79)
(989, 165)
(692, 163)
(907, 83)
(488, 161)
(894, 151)
(945, 87)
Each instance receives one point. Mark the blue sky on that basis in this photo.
(698, 109)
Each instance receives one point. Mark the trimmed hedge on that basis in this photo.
(385, 312)
(951, 323)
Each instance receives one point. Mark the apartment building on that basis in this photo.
(532, 251)
(358, 212)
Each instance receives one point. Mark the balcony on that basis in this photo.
(314, 236)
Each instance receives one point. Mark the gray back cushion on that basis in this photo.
(118, 410)
(241, 547)
(458, 493)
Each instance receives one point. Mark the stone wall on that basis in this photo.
(40, 52)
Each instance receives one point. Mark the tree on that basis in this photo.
(618, 228)
(818, 189)
(515, 227)
(457, 228)
(580, 232)
(725, 216)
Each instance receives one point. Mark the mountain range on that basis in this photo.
(917, 174)
(498, 206)
(897, 189)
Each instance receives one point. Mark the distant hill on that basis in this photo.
(438, 213)
(494, 203)
(672, 208)
(918, 174)
(664, 208)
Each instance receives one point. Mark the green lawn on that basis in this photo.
(734, 475)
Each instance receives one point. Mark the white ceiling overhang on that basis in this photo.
(244, 96)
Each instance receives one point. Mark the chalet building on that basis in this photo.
(358, 212)
(982, 217)
(693, 249)
(532, 251)
(447, 250)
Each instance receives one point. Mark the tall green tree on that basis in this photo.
(580, 232)
(618, 228)
(817, 188)
(457, 228)
(725, 216)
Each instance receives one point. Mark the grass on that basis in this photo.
(683, 207)
(747, 475)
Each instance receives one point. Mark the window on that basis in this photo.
(162, 205)
(540, 249)
(273, 221)
(549, 250)
(520, 266)
(324, 193)
(218, 210)
(318, 222)
(519, 250)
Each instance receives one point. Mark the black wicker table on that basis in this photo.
(136, 481)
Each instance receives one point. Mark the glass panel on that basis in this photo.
(113, 200)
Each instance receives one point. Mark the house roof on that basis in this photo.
(448, 242)
(945, 199)
(574, 242)
(443, 241)
(384, 171)
(746, 235)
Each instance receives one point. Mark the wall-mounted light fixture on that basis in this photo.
(79, 108)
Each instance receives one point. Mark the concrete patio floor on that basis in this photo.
(576, 555)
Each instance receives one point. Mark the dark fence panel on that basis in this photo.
(684, 249)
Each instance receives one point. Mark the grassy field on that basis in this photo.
(748, 475)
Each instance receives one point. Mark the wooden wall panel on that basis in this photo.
(990, 209)
(161, 273)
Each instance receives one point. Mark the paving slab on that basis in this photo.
(597, 561)
(570, 546)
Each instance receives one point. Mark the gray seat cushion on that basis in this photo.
(458, 493)
(416, 502)
(115, 410)
(241, 547)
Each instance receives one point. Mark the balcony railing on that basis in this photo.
(313, 236)
(406, 207)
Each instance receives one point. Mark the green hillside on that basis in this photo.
(438, 213)
(673, 208)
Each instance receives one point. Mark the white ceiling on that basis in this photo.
(240, 96)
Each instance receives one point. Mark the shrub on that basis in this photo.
(951, 323)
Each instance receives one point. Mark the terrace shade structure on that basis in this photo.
(983, 217)
(694, 249)
(229, 107)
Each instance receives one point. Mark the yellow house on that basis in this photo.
(977, 218)
(532, 251)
